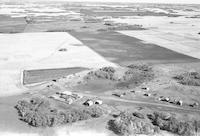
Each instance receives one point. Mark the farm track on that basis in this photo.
(149, 104)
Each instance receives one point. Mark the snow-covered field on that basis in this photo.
(27, 51)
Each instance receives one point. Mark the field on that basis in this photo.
(125, 50)
(71, 68)
(45, 51)
(36, 76)
(181, 38)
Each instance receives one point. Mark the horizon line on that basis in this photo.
(109, 1)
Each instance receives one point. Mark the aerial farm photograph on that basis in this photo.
(99, 68)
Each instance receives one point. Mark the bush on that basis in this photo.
(139, 115)
(126, 124)
(189, 78)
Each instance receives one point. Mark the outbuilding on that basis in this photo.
(69, 100)
(165, 99)
(99, 102)
(179, 103)
(145, 88)
(62, 49)
(196, 104)
(88, 103)
(147, 94)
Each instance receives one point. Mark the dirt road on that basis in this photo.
(148, 104)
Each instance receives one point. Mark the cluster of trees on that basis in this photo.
(189, 78)
(120, 26)
(103, 73)
(141, 67)
(38, 112)
(126, 27)
(127, 124)
(138, 74)
(91, 19)
(135, 75)
(60, 30)
(172, 124)
(29, 20)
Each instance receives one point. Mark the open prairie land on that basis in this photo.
(99, 69)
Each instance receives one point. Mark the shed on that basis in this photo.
(179, 103)
(145, 88)
(88, 103)
(99, 102)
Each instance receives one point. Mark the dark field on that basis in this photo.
(12, 25)
(41, 75)
(123, 49)
(121, 13)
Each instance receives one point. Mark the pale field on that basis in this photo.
(34, 10)
(40, 51)
(157, 10)
(179, 34)
(28, 51)
(76, 130)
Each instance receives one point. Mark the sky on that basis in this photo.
(142, 1)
